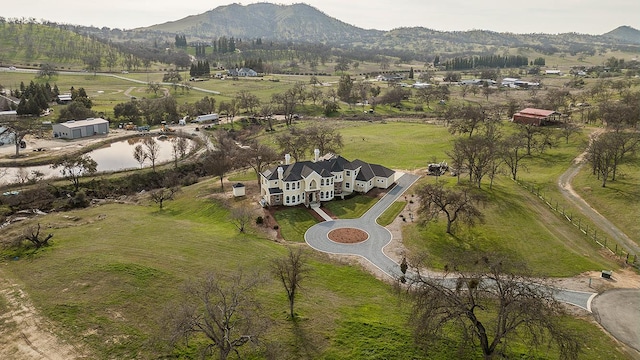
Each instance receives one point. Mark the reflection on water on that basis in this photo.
(116, 156)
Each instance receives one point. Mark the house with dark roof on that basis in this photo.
(311, 182)
(536, 117)
(242, 72)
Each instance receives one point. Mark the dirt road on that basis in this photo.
(564, 184)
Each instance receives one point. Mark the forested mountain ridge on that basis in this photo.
(301, 22)
(298, 22)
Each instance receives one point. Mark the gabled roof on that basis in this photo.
(80, 123)
(325, 168)
(537, 112)
(369, 171)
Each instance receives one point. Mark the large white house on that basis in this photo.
(324, 179)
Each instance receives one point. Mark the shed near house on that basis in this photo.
(536, 117)
(75, 129)
(238, 189)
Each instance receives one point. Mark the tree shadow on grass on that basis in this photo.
(305, 346)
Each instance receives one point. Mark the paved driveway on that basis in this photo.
(618, 311)
(372, 249)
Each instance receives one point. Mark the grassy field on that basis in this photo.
(516, 222)
(619, 201)
(112, 270)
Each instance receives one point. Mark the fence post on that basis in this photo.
(579, 221)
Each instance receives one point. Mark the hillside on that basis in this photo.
(304, 23)
(625, 33)
(32, 44)
(299, 22)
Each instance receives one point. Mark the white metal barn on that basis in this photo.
(75, 129)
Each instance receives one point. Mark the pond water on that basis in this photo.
(116, 156)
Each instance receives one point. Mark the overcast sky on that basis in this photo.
(517, 16)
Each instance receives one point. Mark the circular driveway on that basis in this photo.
(371, 249)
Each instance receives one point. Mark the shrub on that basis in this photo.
(259, 220)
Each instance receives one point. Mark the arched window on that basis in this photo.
(287, 200)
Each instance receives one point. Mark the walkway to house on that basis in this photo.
(322, 214)
(372, 249)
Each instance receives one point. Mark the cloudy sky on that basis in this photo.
(518, 16)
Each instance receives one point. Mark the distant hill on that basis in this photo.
(304, 23)
(625, 33)
(298, 22)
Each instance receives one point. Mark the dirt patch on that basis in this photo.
(25, 334)
(348, 235)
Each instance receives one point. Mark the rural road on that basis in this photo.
(564, 184)
(379, 237)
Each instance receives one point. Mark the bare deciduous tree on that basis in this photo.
(608, 150)
(455, 204)
(73, 168)
(179, 147)
(223, 310)
(151, 150)
(291, 270)
(512, 152)
(140, 155)
(159, 196)
(257, 156)
(489, 304)
(32, 234)
(222, 157)
(241, 216)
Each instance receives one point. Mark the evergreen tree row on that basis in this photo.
(201, 68)
(35, 98)
(488, 61)
(181, 41)
(224, 45)
(200, 50)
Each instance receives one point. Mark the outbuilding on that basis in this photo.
(536, 117)
(238, 189)
(75, 129)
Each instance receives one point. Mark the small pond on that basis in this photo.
(116, 156)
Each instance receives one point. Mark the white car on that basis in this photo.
(12, 67)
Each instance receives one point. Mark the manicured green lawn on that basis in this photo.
(391, 213)
(351, 208)
(294, 222)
